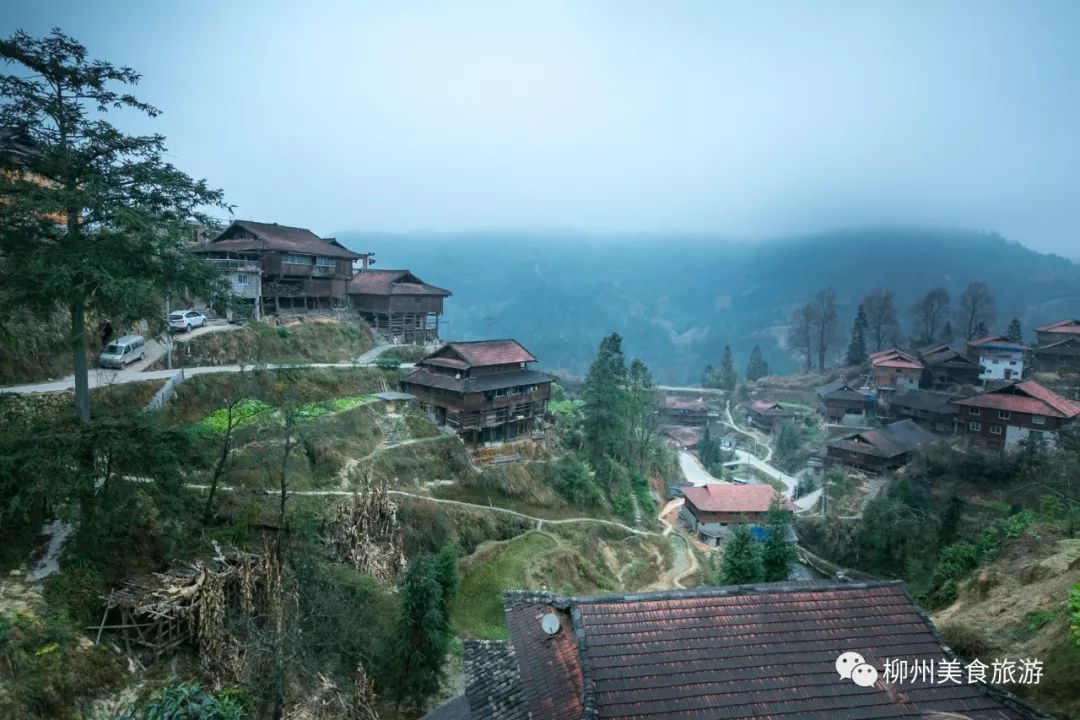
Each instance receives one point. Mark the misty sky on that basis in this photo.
(746, 119)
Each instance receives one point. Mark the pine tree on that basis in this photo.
(445, 568)
(421, 642)
(728, 376)
(708, 377)
(757, 368)
(605, 397)
(94, 220)
(778, 556)
(643, 418)
(742, 563)
(856, 352)
(1014, 332)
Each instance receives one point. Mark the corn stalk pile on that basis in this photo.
(364, 533)
(192, 602)
(328, 702)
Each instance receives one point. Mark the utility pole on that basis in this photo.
(168, 334)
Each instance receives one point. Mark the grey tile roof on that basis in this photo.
(494, 681)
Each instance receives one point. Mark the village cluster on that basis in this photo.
(977, 392)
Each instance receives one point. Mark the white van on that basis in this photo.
(122, 351)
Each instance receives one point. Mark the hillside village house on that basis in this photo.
(730, 653)
(932, 410)
(398, 305)
(282, 269)
(842, 404)
(895, 370)
(769, 416)
(710, 511)
(999, 357)
(483, 389)
(880, 449)
(1003, 418)
(1058, 346)
(684, 411)
(949, 367)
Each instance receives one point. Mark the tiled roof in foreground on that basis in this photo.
(731, 653)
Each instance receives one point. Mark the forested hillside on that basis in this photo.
(678, 300)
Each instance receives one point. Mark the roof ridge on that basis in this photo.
(522, 597)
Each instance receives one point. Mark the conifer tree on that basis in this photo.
(1014, 332)
(94, 220)
(708, 377)
(742, 562)
(728, 375)
(422, 639)
(606, 400)
(778, 556)
(856, 352)
(757, 368)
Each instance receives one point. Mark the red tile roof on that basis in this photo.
(550, 666)
(1027, 397)
(730, 497)
(767, 407)
(733, 653)
(1070, 326)
(271, 236)
(478, 353)
(895, 358)
(391, 282)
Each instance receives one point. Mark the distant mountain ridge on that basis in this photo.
(678, 299)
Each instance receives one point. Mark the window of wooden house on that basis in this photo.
(973, 411)
(974, 426)
(1004, 414)
(325, 262)
(995, 429)
(296, 259)
(1038, 420)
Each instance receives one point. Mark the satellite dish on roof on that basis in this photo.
(550, 624)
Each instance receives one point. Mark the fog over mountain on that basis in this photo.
(761, 119)
(678, 299)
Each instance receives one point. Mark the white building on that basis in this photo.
(1000, 357)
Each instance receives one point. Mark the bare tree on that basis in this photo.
(800, 333)
(930, 315)
(882, 326)
(823, 319)
(975, 310)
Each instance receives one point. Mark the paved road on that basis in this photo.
(694, 472)
(373, 354)
(100, 377)
(155, 347)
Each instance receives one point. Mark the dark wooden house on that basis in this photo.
(842, 404)
(398, 305)
(1058, 346)
(683, 410)
(709, 510)
(880, 449)
(933, 410)
(948, 367)
(299, 271)
(894, 370)
(1004, 418)
(483, 389)
(726, 653)
(769, 416)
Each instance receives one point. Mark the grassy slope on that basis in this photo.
(1016, 607)
(258, 342)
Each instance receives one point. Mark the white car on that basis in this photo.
(185, 320)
